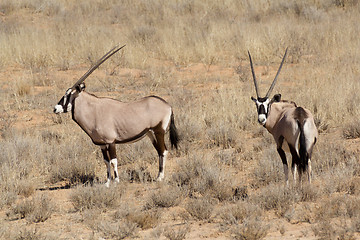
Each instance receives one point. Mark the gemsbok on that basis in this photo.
(292, 127)
(109, 122)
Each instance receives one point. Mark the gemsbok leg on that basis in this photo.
(309, 161)
(309, 170)
(283, 159)
(157, 137)
(109, 154)
(295, 163)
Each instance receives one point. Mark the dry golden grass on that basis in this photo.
(194, 54)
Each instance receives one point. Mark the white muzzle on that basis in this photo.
(58, 109)
(262, 119)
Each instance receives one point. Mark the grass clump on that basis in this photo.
(96, 197)
(179, 233)
(251, 228)
(202, 174)
(118, 230)
(29, 234)
(237, 213)
(200, 209)
(274, 197)
(352, 130)
(269, 169)
(328, 230)
(165, 197)
(144, 219)
(38, 209)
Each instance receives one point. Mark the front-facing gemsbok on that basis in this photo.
(292, 127)
(109, 122)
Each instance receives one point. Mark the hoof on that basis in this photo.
(160, 177)
(107, 184)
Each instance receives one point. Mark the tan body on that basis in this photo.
(109, 121)
(282, 121)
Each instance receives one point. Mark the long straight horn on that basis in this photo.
(253, 73)
(97, 64)
(277, 74)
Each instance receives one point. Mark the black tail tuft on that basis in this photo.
(304, 158)
(174, 136)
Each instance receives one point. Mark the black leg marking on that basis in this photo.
(159, 144)
(112, 151)
(295, 156)
(105, 154)
(283, 158)
(281, 151)
(295, 162)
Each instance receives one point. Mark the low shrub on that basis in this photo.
(38, 209)
(176, 233)
(237, 213)
(96, 197)
(165, 197)
(251, 229)
(200, 209)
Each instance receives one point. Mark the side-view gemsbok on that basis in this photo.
(292, 127)
(108, 121)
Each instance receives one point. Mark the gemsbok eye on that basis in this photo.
(292, 127)
(109, 122)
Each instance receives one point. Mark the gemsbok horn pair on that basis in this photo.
(108, 121)
(292, 127)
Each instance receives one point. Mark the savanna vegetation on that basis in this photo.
(226, 179)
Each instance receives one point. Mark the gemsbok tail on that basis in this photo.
(304, 156)
(174, 136)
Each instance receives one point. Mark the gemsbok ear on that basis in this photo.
(276, 98)
(254, 99)
(80, 87)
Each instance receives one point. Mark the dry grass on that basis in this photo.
(237, 213)
(351, 130)
(200, 209)
(28, 234)
(39, 209)
(176, 233)
(194, 54)
(101, 197)
(119, 230)
(165, 197)
(251, 229)
(205, 175)
(145, 219)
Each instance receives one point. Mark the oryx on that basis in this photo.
(109, 122)
(292, 127)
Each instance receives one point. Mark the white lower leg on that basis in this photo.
(113, 162)
(295, 173)
(309, 171)
(108, 173)
(162, 162)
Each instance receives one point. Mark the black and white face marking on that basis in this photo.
(64, 105)
(262, 105)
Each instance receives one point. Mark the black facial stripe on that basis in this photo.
(261, 109)
(61, 102)
(64, 102)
